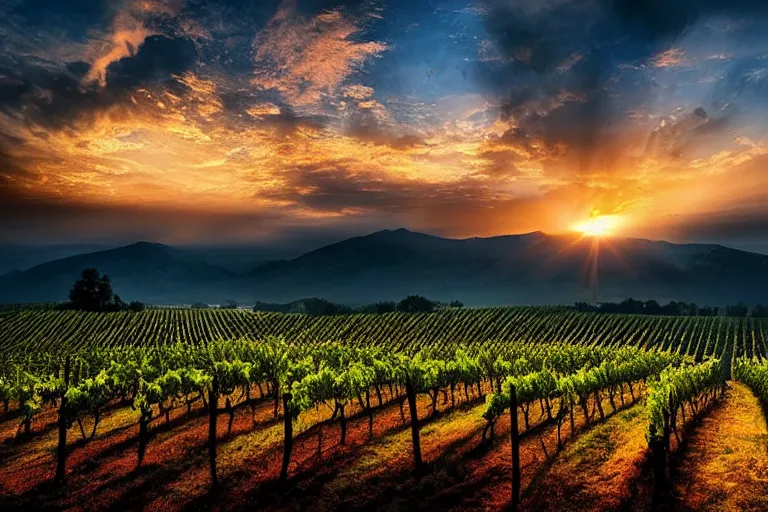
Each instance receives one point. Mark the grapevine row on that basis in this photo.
(32, 331)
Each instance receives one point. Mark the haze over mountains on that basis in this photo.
(533, 268)
(24, 256)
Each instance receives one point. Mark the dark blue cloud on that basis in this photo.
(48, 97)
(56, 98)
(75, 15)
(157, 59)
(615, 41)
(78, 68)
(655, 19)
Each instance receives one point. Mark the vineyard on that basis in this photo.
(32, 331)
(233, 408)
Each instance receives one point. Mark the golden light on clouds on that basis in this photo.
(141, 154)
(599, 225)
(306, 59)
(358, 92)
(343, 114)
(122, 43)
(669, 58)
(262, 110)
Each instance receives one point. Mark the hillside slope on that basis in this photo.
(533, 268)
(141, 271)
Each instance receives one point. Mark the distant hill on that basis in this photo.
(142, 271)
(24, 256)
(533, 268)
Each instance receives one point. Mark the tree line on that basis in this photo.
(323, 307)
(672, 308)
(93, 292)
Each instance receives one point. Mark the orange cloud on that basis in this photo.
(306, 59)
(131, 25)
(476, 181)
(358, 92)
(259, 111)
(669, 58)
(129, 29)
(121, 43)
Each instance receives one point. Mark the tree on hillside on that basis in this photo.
(708, 311)
(378, 307)
(315, 306)
(651, 307)
(415, 304)
(136, 306)
(385, 307)
(92, 292)
(737, 310)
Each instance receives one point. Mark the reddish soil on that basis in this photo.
(605, 468)
(724, 464)
(367, 473)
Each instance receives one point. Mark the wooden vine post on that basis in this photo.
(659, 451)
(61, 448)
(411, 393)
(213, 411)
(514, 437)
(288, 436)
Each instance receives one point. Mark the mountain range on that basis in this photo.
(533, 268)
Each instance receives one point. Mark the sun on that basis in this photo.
(598, 225)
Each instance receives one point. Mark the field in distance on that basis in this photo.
(30, 331)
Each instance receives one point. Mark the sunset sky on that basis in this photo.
(184, 121)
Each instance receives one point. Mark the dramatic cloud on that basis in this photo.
(169, 119)
(307, 59)
(157, 59)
